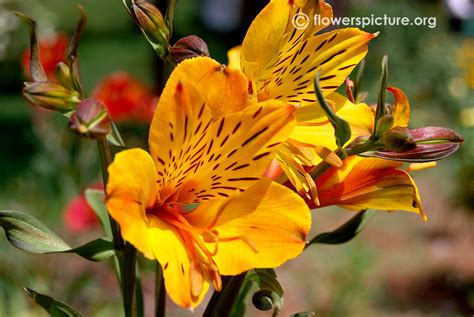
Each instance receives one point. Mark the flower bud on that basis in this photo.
(383, 125)
(91, 119)
(397, 139)
(432, 144)
(51, 96)
(63, 75)
(151, 21)
(188, 47)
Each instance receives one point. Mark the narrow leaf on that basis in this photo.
(73, 50)
(96, 250)
(96, 199)
(346, 232)
(342, 130)
(54, 307)
(114, 136)
(28, 233)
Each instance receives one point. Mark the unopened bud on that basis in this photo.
(432, 144)
(398, 139)
(384, 124)
(151, 21)
(188, 47)
(91, 119)
(51, 96)
(63, 75)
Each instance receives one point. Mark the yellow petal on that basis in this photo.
(262, 41)
(181, 281)
(262, 227)
(318, 130)
(225, 90)
(130, 190)
(369, 183)
(199, 156)
(333, 55)
(233, 57)
(401, 110)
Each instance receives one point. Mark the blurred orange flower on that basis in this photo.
(52, 51)
(126, 98)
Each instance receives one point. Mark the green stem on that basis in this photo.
(222, 302)
(160, 293)
(105, 160)
(126, 253)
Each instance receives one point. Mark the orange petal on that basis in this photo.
(401, 110)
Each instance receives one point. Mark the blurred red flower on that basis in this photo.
(52, 51)
(126, 98)
(79, 216)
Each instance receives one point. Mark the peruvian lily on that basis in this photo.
(369, 183)
(198, 203)
(281, 60)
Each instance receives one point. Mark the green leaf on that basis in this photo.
(346, 232)
(342, 129)
(114, 136)
(270, 293)
(96, 250)
(28, 233)
(54, 307)
(96, 199)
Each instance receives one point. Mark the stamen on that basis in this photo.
(196, 278)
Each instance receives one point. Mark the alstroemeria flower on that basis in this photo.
(198, 202)
(281, 62)
(368, 183)
(53, 50)
(126, 98)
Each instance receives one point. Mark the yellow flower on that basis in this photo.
(198, 203)
(281, 60)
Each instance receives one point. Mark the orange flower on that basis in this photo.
(126, 98)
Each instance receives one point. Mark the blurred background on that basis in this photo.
(398, 266)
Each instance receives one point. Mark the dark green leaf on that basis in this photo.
(28, 233)
(54, 307)
(96, 250)
(346, 232)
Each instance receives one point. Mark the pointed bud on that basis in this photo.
(432, 144)
(91, 119)
(398, 139)
(188, 47)
(63, 75)
(151, 21)
(51, 96)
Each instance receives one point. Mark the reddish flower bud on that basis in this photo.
(90, 119)
(398, 139)
(188, 47)
(432, 144)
